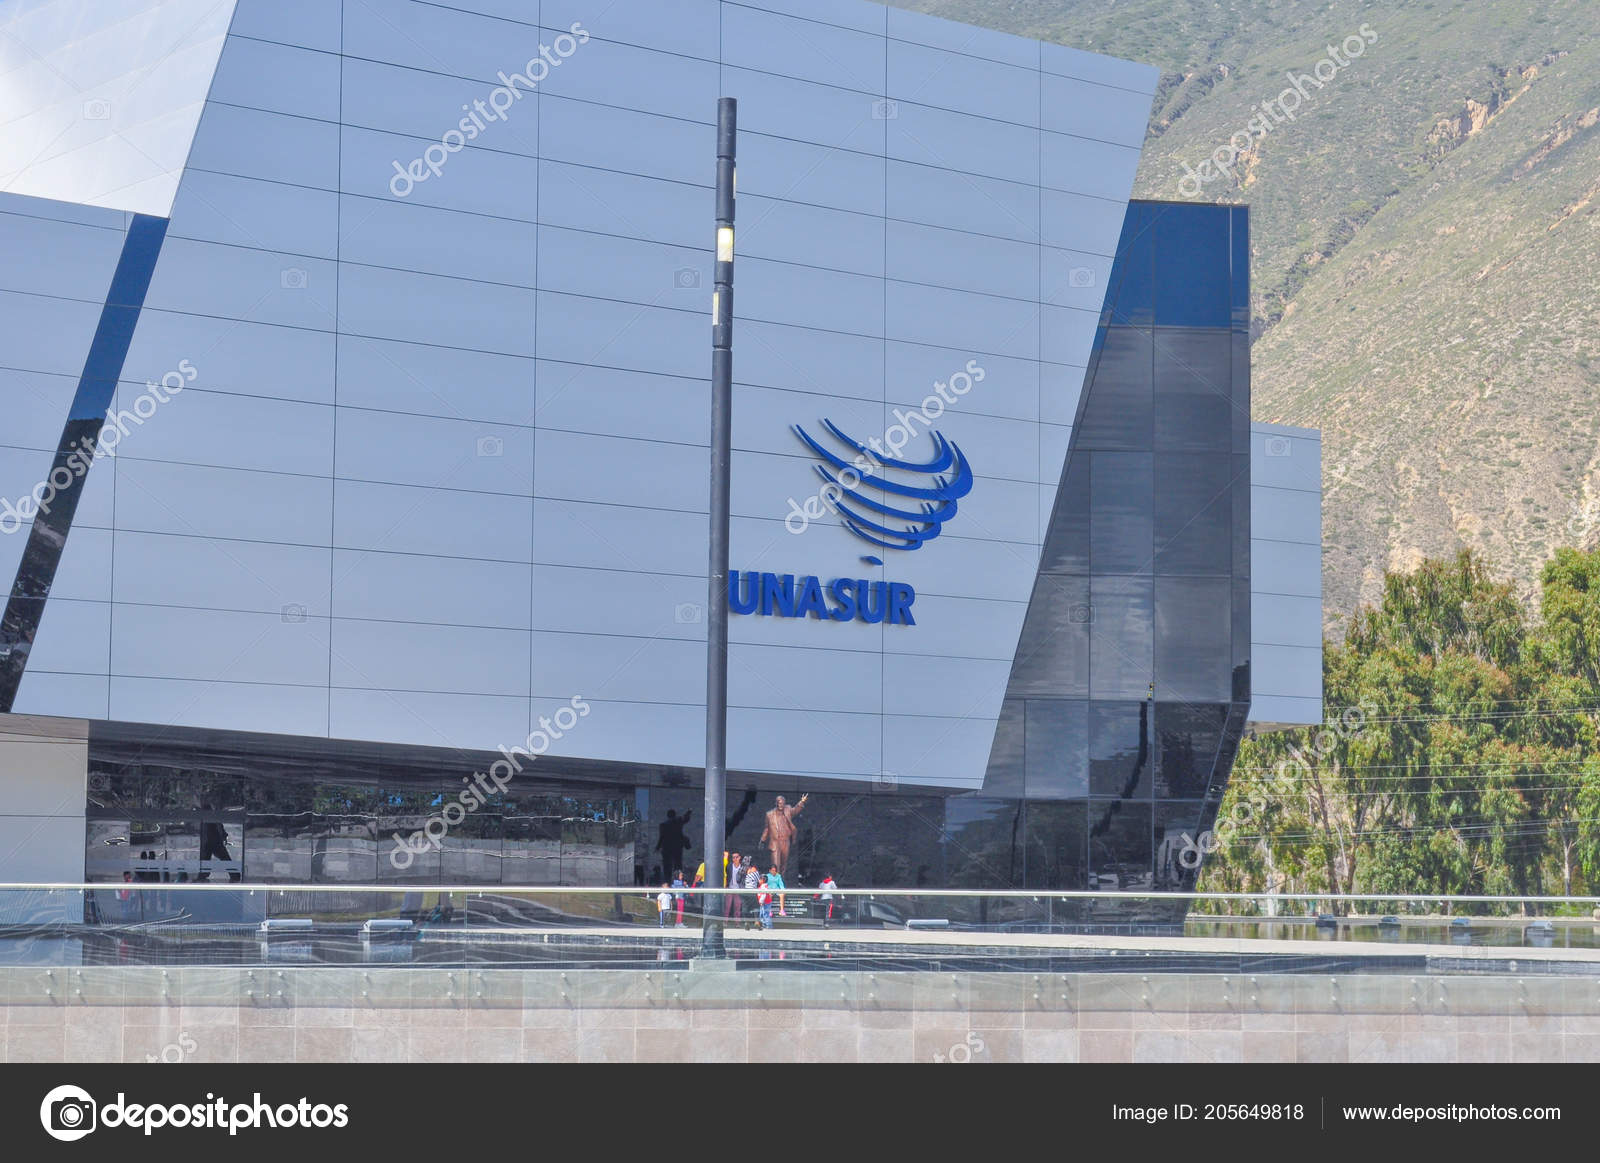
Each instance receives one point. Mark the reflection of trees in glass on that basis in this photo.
(113, 791)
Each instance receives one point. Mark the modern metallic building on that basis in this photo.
(399, 312)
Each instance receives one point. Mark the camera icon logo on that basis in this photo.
(96, 109)
(1080, 277)
(491, 446)
(292, 278)
(886, 781)
(962, 1052)
(1278, 446)
(687, 614)
(1081, 615)
(884, 109)
(68, 1113)
(294, 613)
(686, 279)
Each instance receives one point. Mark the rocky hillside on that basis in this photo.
(1426, 247)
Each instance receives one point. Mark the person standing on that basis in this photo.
(733, 902)
(826, 896)
(764, 901)
(775, 883)
(663, 905)
(752, 881)
(678, 885)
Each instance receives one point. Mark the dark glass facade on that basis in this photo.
(1125, 705)
(1129, 692)
(174, 806)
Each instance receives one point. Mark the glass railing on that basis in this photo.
(135, 923)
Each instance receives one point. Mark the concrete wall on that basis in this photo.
(1285, 575)
(44, 766)
(319, 1015)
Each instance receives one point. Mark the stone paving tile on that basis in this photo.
(718, 1044)
(1383, 1042)
(1537, 1048)
(881, 1045)
(835, 1044)
(1319, 1047)
(663, 1045)
(1472, 1047)
(1580, 1047)
(771, 1044)
(550, 1044)
(45, 1015)
(1216, 1046)
(1429, 1048)
(609, 1044)
(1160, 1046)
(1105, 1045)
(490, 1044)
(724, 1017)
(381, 1044)
(272, 1044)
(1268, 1046)
(139, 1041)
(1049, 1045)
(92, 1034)
(324, 1044)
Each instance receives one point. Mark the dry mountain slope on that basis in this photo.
(1426, 249)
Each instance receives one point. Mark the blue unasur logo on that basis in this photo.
(841, 600)
(931, 504)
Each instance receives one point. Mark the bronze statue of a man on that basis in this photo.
(780, 831)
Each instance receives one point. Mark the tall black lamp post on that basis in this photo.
(717, 573)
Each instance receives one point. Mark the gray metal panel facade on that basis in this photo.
(443, 464)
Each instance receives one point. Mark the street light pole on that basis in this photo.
(717, 572)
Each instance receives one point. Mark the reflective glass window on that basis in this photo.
(1057, 749)
(1121, 749)
(1057, 839)
(1120, 846)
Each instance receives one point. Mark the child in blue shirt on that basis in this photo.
(775, 883)
(764, 900)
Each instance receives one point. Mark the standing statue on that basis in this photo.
(780, 831)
